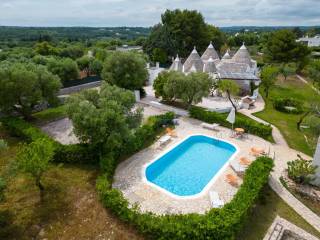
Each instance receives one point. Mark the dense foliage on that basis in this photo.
(222, 223)
(282, 104)
(313, 71)
(250, 126)
(301, 170)
(190, 89)
(231, 88)
(65, 68)
(181, 30)
(268, 78)
(23, 86)
(125, 70)
(104, 119)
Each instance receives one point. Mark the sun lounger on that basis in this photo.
(232, 180)
(215, 200)
(238, 168)
(171, 132)
(164, 140)
(244, 161)
(257, 152)
(210, 126)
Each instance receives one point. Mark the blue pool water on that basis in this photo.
(190, 166)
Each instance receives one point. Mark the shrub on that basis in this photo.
(280, 104)
(301, 170)
(222, 223)
(75, 153)
(2, 188)
(3, 145)
(251, 126)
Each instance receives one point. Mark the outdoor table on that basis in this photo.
(239, 131)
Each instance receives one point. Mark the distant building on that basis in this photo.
(310, 41)
(125, 48)
(240, 67)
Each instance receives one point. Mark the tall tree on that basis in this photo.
(23, 86)
(281, 46)
(313, 70)
(268, 78)
(104, 119)
(65, 68)
(34, 159)
(125, 69)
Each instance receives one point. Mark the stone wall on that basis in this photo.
(74, 89)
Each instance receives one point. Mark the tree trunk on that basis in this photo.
(229, 97)
(41, 188)
(302, 118)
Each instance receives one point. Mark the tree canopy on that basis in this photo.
(181, 30)
(125, 69)
(268, 78)
(104, 119)
(281, 46)
(23, 86)
(65, 68)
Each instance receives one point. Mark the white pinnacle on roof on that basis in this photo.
(226, 55)
(193, 60)
(210, 53)
(209, 66)
(176, 65)
(242, 56)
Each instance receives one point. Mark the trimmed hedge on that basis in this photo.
(280, 104)
(251, 126)
(224, 223)
(77, 153)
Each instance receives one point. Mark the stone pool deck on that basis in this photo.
(130, 177)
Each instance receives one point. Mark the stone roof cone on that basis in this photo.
(242, 56)
(226, 55)
(209, 66)
(193, 60)
(210, 53)
(176, 64)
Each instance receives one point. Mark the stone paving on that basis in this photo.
(129, 176)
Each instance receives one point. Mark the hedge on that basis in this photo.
(224, 223)
(251, 126)
(280, 104)
(77, 153)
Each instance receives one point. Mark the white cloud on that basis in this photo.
(148, 12)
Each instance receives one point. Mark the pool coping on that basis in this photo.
(206, 189)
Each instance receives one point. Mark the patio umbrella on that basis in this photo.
(316, 162)
(232, 116)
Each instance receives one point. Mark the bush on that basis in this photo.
(76, 153)
(222, 223)
(251, 126)
(280, 104)
(3, 145)
(301, 170)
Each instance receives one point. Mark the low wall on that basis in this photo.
(69, 90)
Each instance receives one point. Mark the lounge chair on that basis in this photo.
(210, 126)
(164, 140)
(244, 161)
(215, 200)
(232, 180)
(171, 132)
(239, 169)
(257, 152)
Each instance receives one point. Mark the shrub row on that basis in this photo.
(280, 104)
(224, 223)
(77, 153)
(251, 126)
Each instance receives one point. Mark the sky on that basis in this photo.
(111, 13)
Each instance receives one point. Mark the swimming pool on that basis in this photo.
(189, 167)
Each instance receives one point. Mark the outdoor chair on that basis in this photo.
(257, 152)
(232, 180)
(215, 200)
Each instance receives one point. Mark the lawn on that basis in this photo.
(264, 213)
(305, 140)
(70, 210)
(50, 115)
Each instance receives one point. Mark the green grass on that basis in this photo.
(50, 114)
(304, 141)
(264, 213)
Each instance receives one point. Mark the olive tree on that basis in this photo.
(125, 69)
(23, 86)
(230, 88)
(268, 78)
(104, 119)
(34, 159)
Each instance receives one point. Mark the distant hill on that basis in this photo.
(70, 33)
(236, 29)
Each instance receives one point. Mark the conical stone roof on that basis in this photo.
(193, 60)
(242, 56)
(226, 55)
(209, 66)
(210, 53)
(176, 65)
